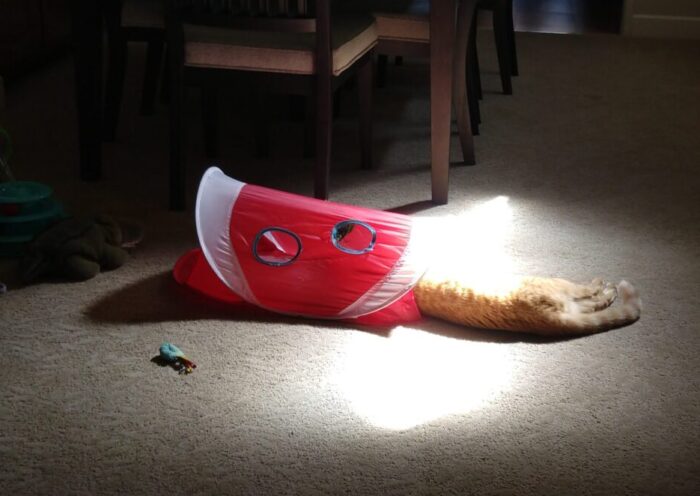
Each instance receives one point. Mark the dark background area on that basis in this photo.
(31, 32)
(35, 31)
(568, 16)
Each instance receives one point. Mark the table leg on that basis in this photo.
(442, 39)
(86, 19)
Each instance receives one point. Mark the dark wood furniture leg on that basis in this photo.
(324, 122)
(503, 44)
(116, 67)
(364, 89)
(309, 126)
(165, 80)
(382, 64)
(459, 83)
(474, 54)
(210, 120)
(441, 45)
(442, 40)
(86, 20)
(511, 39)
(472, 95)
(473, 77)
(177, 124)
(261, 117)
(324, 102)
(151, 79)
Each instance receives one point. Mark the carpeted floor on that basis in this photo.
(589, 169)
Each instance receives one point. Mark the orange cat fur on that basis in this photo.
(535, 305)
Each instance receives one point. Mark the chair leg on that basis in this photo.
(177, 136)
(364, 89)
(474, 111)
(473, 56)
(473, 83)
(262, 139)
(114, 85)
(310, 127)
(500, 30)
(210, 120)
(511, 39)
(337, 103)
(165, 80)
(382, 63)
(324, 130)
(459, 84)
(154, 56)
(297, 107)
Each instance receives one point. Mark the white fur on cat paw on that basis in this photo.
(629, 294)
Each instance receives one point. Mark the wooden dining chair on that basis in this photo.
(403, 29)
(132, 21)
(286, 46)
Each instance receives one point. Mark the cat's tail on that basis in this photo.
(612, 317)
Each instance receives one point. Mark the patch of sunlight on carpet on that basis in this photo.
(413, 377)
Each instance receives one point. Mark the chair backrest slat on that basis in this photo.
(299, 16)
(267, 15)
(268, 8)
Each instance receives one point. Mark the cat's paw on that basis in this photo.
(596, 296)
(609, 292)
(629, 294)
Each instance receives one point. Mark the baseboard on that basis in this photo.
(662, 26)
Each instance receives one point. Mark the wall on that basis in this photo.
(662, 18)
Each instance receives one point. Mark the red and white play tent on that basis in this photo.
(301, 256)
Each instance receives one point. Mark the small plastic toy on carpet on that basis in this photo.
(174, 356)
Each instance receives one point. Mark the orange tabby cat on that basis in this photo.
(536, 305)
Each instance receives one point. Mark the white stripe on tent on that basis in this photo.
(215, 199)
(400, 280)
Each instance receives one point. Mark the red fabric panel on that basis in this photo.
(402, 311)
(193, 271)
(323, 280)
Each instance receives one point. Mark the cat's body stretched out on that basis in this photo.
(534, 305)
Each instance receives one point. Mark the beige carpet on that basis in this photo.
(589, 169)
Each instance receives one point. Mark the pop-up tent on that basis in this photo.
(301, 256)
